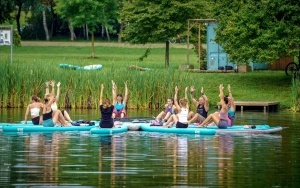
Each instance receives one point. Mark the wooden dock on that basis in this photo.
(267, 105)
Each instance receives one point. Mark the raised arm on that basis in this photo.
(126, 94)
(206, 103)
(101, 94)
(192, 90)
(221, 95)
(57, 91)
(185, 96)
(114, 92)
(47, 87)
(231, 97)
(52, 83)
(176, 99)
(26, 114)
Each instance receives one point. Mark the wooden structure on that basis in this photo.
(191, 24)
(267, 105)
(280, 64)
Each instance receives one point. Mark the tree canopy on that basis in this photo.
(159, 20)
(6, 8)
(258, 31)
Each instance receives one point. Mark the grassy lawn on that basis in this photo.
(36, 62)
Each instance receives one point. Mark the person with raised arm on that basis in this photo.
(231, 107)
(181, 118)
(50, 117)
(219, 118)
(120, 104)
(54, 105)
(106, 109)
(202, 107)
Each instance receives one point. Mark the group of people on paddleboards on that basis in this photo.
(175, 112)
(50, 113)
(51, 116)
(178, 112)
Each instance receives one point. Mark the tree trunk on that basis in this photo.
(45, 25)
(93, 46)
(18, 15)
(87, 32)
(107, 34)
(120, 33)
(71, 28)
(167, 54)
(102, 31)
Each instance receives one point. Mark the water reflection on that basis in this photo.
(41, 153)
(140, 158)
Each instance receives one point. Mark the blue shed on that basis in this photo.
(216, 57)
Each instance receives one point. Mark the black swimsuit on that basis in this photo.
(47, 115)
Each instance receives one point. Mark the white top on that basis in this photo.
(54, 106)
(182, 115)
(35, 111)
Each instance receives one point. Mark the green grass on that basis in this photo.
(33, 65)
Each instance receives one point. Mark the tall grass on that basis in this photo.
(295, 94)
(33, 66)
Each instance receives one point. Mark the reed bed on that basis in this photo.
(33, 66)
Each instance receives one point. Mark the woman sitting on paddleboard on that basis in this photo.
(163, 116)
(120, 105)
(231, 107)
(50, 117)
(106, 109)
(54, 105)
(202, 107)
(219, 118)
(34, 108)
(180, 119)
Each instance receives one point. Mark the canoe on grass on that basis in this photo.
(109, 131)
(39, 128)
(189, 130)
(75, 67)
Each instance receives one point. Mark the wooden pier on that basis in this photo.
(267, 105)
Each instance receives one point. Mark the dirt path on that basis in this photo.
(108, 44)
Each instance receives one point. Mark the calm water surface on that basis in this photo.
(141, 159)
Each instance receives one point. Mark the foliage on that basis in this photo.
(86, 12)
(6, 10)
(295, 94)
(16, 39)
(81, 12)
(258, 31)
(151, 21)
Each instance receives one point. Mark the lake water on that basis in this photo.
(141, 159)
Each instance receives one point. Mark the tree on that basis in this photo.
(83, 12)
(258, 31)
(110, 12)
(24, 5)
(5, 10)
(44, 6)
(159, 20)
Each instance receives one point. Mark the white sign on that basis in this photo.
(5, 37)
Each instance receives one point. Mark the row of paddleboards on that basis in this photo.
(122, 127)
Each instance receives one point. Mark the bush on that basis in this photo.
(16, 38)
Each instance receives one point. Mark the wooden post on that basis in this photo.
(188, 43)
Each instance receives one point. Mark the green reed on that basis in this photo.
(295, 94)
(33, 66)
